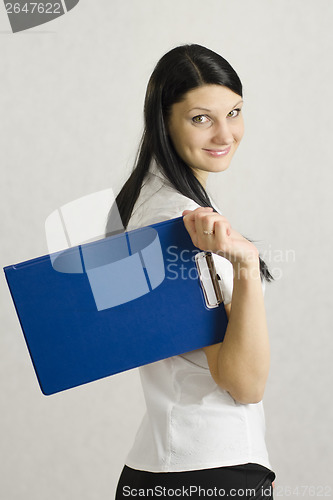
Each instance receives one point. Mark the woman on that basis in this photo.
(204, 426)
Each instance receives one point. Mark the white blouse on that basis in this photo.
(190, 422)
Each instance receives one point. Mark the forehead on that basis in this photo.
(212, 97)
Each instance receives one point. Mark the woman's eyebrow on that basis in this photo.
(202, 109)
(239, 102)
(209, 110)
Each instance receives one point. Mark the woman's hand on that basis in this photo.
(212, 232)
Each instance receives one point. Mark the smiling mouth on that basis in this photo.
(218, 152)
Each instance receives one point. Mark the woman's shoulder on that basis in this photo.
(158, 201)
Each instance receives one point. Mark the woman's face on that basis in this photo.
(206, 128)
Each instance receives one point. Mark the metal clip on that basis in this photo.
(209, 279)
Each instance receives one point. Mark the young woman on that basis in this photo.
(203, 432)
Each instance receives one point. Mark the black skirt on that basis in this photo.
(248, 481)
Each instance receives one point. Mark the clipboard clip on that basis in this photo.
(210, 281)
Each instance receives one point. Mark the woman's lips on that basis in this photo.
(218, 152)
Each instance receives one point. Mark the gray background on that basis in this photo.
(71, 96)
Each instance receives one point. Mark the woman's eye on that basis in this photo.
(234, 113)
(200, 119)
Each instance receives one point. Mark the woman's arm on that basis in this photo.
(240, 363)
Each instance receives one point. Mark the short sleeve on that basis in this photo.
(161, 206)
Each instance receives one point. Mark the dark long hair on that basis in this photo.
(180, 70)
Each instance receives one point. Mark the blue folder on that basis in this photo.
(111, 305)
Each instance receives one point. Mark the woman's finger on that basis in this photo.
(222, 229)
(212, 224)
(208, 230)
(199, 209)
(190, 220)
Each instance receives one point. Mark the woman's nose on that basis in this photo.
(223, 134)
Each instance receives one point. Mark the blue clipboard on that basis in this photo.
(111, 305)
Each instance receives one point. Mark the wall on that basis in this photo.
(71, 117)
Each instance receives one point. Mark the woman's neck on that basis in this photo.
(202, 176)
